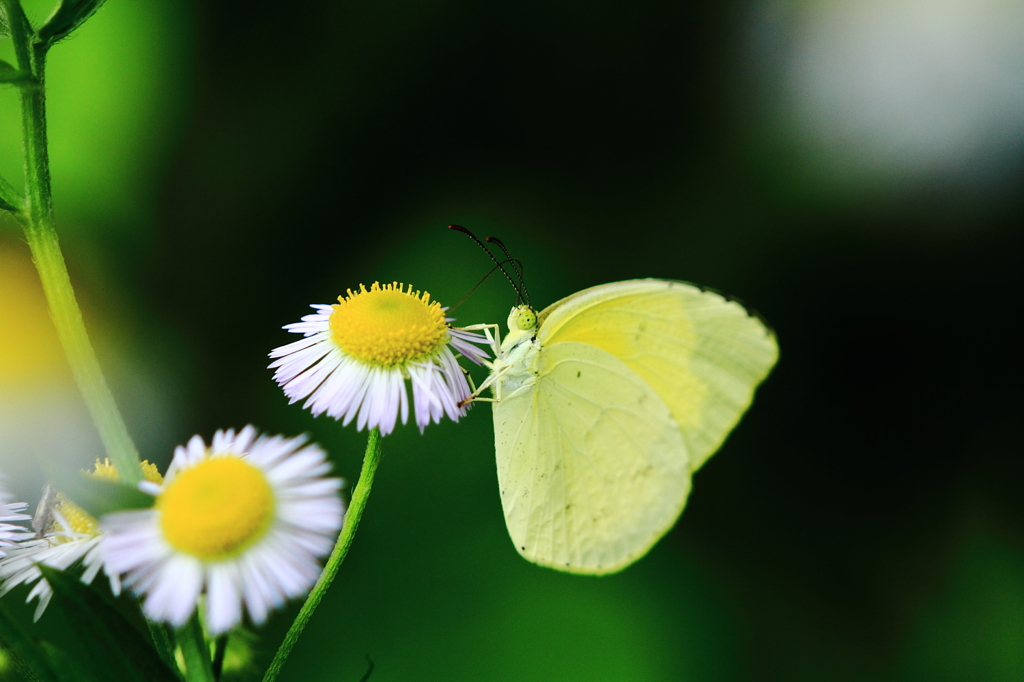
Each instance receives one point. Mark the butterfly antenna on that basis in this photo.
(516, 265)
(475, 287)
(497, 263)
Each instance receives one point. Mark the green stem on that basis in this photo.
(195, 651)
(220, 648)
(355, 511)
(10, 199)
(37, 219)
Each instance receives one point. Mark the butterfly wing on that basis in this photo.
(592, 466)
(701, 352)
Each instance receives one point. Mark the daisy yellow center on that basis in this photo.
(81, 521)
(216, 509)
(106, 470)
(388, 325)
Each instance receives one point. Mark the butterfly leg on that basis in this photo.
(492, 332)
(475, 396)
(498, 370)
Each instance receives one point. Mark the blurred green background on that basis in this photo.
(852, 170)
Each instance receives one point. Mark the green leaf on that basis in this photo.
(28, 654)
(9, 74)
(58, 652)
(115, 649)
(68, 16)
(68, 664)
(163, 640)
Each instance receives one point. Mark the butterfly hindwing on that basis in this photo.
(591, 464)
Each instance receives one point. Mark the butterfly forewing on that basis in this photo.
(703, 354)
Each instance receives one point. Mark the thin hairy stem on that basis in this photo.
(37, 219)
(355, 511)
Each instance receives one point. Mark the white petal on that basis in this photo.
(223, 599)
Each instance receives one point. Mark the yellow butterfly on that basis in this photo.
(605, 404)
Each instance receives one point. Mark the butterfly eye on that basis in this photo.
(527, 319)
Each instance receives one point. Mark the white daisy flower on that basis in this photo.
(10, 534)
(357, 354)
(66, 534)
(242, 521)
(59, 548)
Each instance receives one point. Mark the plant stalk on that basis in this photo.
(38, 221)
(355, 511)
(195, 651)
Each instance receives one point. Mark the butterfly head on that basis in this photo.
(523, 318)
(522, 324)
